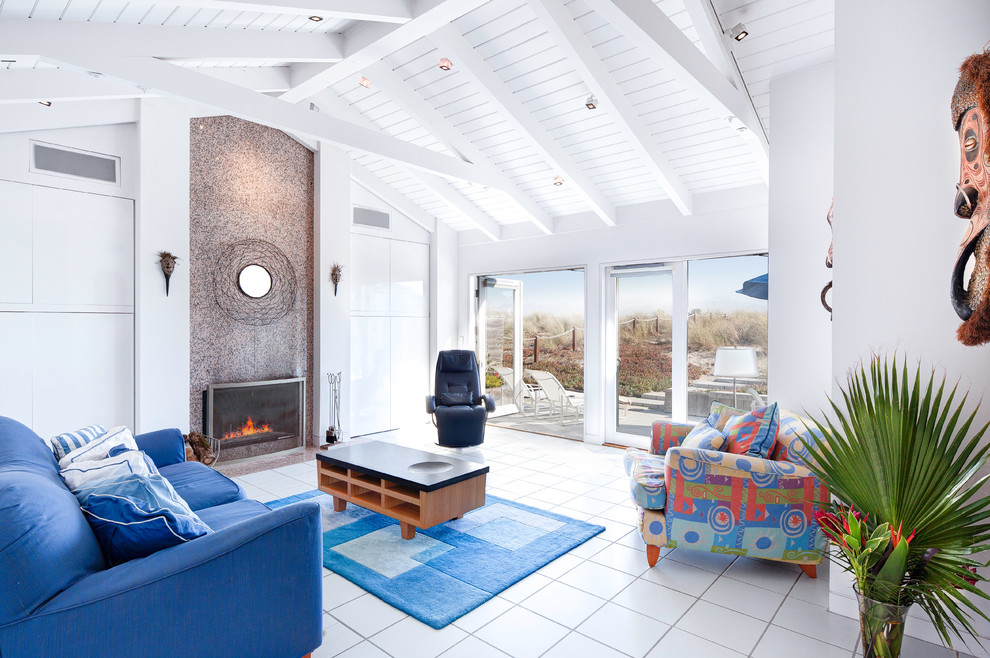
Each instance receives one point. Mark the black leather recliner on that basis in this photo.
(458, 407)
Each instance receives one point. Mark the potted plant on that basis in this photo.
(902, 461)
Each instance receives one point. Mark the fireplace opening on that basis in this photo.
(256, 417)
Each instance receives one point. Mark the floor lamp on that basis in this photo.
(735, 362)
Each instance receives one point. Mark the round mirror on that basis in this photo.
(254, 281)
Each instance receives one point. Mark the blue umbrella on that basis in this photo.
(755, 287)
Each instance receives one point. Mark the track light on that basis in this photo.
(446, 64)
(316, 19)
(558, 181)
(365, 82)
(45, 103)
(591, 103)
(739, 32)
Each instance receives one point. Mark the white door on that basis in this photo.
(500, 331)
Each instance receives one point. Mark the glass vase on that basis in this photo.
(882, 627)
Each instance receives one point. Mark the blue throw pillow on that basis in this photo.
(63, 444)
(135, 516)
(704, 437)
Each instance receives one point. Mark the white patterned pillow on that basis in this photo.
(126, 463)
(66, 442)
(100, 448)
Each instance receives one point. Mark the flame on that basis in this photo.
(248, 428)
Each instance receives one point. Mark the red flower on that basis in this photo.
(830, 525)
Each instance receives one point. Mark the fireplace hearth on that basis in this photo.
(256, 418)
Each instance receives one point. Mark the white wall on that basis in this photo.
(332, 325)
(802, 105)
(161, 322)
(896, 165)
(723, 224)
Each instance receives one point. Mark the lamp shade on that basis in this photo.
(736, 362)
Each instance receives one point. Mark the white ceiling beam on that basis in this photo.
(26, 85)
(385, 11)
(32, 35)
(24, 117)
(431, 119)
(391, 196)
(709, 29)
(570, 39)
(171, 80)
(266, 79)
(371, 43)
(448, 193)
(645, 24)
(487, 82)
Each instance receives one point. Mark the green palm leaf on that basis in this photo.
(901, 449)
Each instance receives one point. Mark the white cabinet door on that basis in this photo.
(371, 385)
(410, 371)
(17, 366)
(83, 249)
(83, 371)
(370, 272)
(410, 278)
(16, 238)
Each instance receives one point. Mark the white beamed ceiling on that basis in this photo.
(536, 75)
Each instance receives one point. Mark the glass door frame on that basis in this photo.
(486, 283)
(612, 275)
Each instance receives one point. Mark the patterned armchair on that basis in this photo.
(727, 503)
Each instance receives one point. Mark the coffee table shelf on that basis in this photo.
(413, 507)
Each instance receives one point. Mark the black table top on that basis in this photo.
(418, 469)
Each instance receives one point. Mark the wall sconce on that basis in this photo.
(335, 271)
(316, 19)
(365, 82)
(446, 64)
(591, 103)
(739, 32)
(167, 261)
(558, 181)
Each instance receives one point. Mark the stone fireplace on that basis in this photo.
(256, 418)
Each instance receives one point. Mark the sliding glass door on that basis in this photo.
(500, 339)
(640, 353)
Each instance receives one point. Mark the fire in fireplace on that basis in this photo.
(259, 417)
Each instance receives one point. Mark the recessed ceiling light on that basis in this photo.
(558, 181)
(739, 32)
(316, 19)
(591, 103)
(45, 103)
(446, 64)
(365, 82)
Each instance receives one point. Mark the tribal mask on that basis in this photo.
(971, 119)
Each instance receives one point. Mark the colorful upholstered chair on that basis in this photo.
(728, 503)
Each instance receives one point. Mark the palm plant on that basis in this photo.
(902, 454)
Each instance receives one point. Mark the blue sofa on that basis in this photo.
(253, 587)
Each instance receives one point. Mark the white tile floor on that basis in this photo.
(600, 599)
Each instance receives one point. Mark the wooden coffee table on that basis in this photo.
(419, 489)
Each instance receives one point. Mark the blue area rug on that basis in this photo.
(450, 569)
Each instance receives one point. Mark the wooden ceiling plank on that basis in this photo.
(557, 18)
(450, 40)
(648, 27)
(428, 116)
